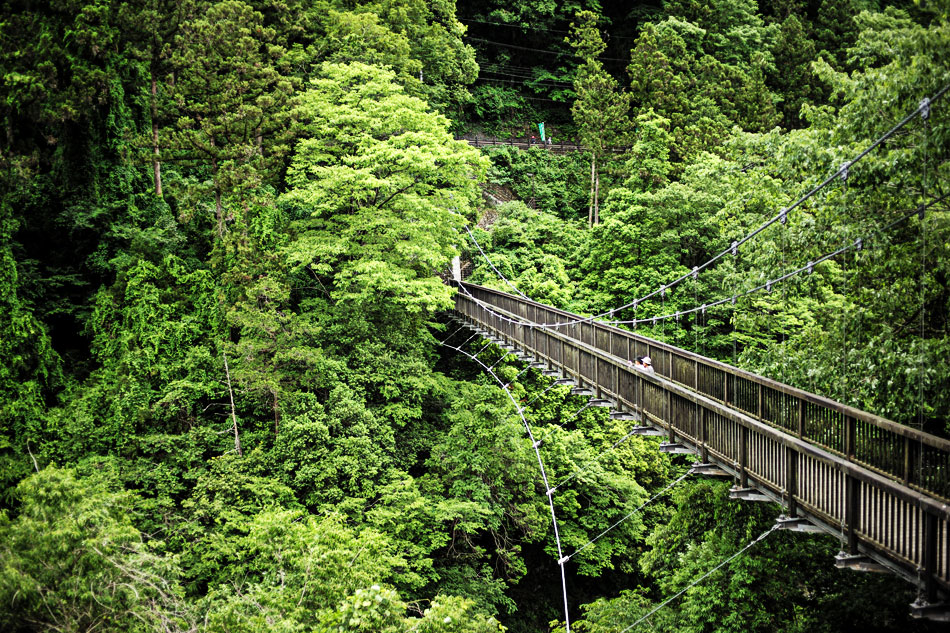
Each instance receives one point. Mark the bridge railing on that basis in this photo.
(528, 144)
(885, 485)
(917, 459)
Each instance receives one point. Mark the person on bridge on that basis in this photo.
(648, 365)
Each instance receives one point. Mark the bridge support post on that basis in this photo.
(930, 557)
(852, 511)
(703, 452)
(743, 456)
(791, 480)
(457, 268)
(669, 416)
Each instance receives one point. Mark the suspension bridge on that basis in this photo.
(528, 143)
(880, 487)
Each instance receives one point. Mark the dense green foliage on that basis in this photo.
(222, 226)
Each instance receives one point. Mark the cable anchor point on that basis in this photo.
(735, 249)
(783, 216)
(925, 108)
(844, 171)
(695, 272)
(859, 244)
(921, 211)
(768, 286)
(811, 267)
(663, 291)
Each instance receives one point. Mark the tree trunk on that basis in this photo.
(156, 163)
(237, 438)
(218, 209)
(597, 199)
(590, 208)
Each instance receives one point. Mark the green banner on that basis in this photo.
(541, 129)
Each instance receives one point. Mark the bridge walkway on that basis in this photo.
(881, 486)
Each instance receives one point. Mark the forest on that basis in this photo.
(225, 232)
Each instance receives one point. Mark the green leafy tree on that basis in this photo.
(601, 108)
(151, 334)
(794, 52)
(228, 100)
(382, 191)
(650, 154)
(29, 375)
(73, 561)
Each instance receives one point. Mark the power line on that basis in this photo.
(514, 26)
(528, 77)
(524, 81)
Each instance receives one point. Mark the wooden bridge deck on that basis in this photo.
(883, 486)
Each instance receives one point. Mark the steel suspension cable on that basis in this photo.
(544, 478)
(857, 244)
(627, 516)
(781, 216)
(703, 577)
(497, 272)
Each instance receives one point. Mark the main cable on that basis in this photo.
(733, 248)
(544, 478)
(497, 272)
(856, 244)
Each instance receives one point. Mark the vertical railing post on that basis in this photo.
(907, 464)
(597, 390)
(703, 451)
(850, 430)
(669, 415)
(852, 511)
(801, 418)
(616, 385)
(791, 479)
(638, 394)
(743, 456)
(931, 527)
